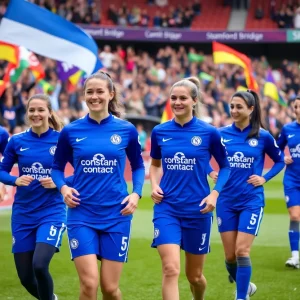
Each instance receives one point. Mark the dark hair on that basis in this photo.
(54, 121)
(193, 84)
(297, 97)
(114, 105)
(251, 99)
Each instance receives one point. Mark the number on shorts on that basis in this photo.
(253, 219)
(124, 243)
(52, 231)
(203, 239)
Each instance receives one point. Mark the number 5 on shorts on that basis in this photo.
(124, 243)
(253, 219)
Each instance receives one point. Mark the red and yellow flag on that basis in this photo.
(167, 114)
(223, 54)
(10, 53)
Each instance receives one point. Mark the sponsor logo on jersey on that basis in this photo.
(180, 162)
(295, 152)
(99, 164)
(37, 171)
(239, 160)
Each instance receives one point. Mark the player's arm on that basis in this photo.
(4, 141)
(155, 171)
(211, 172)
(282, 142)
(63, 154)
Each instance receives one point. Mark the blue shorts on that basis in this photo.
(192, 235)
(24, 237)
(244, 220)
(112, 243)
(292, 197)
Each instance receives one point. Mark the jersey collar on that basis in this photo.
(104, 121)
(186, 125)
(248, 128)
(45, 134)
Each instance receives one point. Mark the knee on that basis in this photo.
(171, 270)
(26, 280)
(89, 286)
(110, 289)
(242, 251)
(39, 268)
(196, 279)
(295, 217)
(230, 258)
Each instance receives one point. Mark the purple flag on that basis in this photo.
(64, 70)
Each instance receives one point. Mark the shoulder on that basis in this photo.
(290, 125)
(121, 122)
(20, 135)
(163, 126)
(205, 125)
(3, 132)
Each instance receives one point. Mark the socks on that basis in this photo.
(294, 238)
(231, 268)
(243, 275)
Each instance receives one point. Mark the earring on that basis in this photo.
(194, 106)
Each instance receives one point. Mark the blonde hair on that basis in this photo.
(114, 105)
(193, 84)
(54, 121)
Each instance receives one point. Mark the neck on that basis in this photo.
(298, 120)
(183, 120)
(98, 116)
(40, 130)
(242, 125)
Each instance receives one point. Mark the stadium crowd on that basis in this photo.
(144, 82)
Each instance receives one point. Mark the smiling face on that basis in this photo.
(239, 110)
(38, 114)
(97, 96)
(182, 102)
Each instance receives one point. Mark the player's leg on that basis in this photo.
(293, 204)
(23, 248)
(196, 244)
(84, 246)
(48, 241)
(249, 223)
(167, 239)
(114, 247)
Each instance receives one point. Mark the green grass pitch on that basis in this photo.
(141, 279)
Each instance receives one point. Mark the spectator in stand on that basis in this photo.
(112, 14)
(259, 12)
(197, 7)
(161, 3)
(107, 57)
(142, 135)
(297, 19)
(157, 20)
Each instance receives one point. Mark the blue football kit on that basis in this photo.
(98, 154)
(3, 139)
(185, 152)
(290, 136)
(38, 213)
(240, 204)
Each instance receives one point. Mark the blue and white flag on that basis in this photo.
(35, 28)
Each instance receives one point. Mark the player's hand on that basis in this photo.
(132, 204)
(24, 180)
(157, 194)
(69, 198)
(288, 160)
(256, 180)
(2, 192)
(47, 183)
(214, 176)
(210, 201)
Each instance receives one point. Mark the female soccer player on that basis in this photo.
(3, 142)
(290, 136)
(38, 213)
(181, 150)
(241, 202)
(100, 209)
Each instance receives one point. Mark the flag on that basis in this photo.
(241, 88)
(223, 54)
(167, 114)
(41, 31)
(4, 83)
(74, 79)
(9, 52)
(64, 71)
(271, 90)
(45, 86)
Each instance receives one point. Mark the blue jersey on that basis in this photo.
(33, 204)
(185, 152)
(98, 152)
(290, 136)
(246, 157)
(3, 139)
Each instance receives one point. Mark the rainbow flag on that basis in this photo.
(167, 114)
(223, 54)
(271, 90)
(10, 53)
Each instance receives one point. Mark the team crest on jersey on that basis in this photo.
(74, 244)
(219, 220)
(116, 139)
(287, 199)
(253, 142)
(196, 140)
(13, 240)
(156, 232)
(52, 150)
